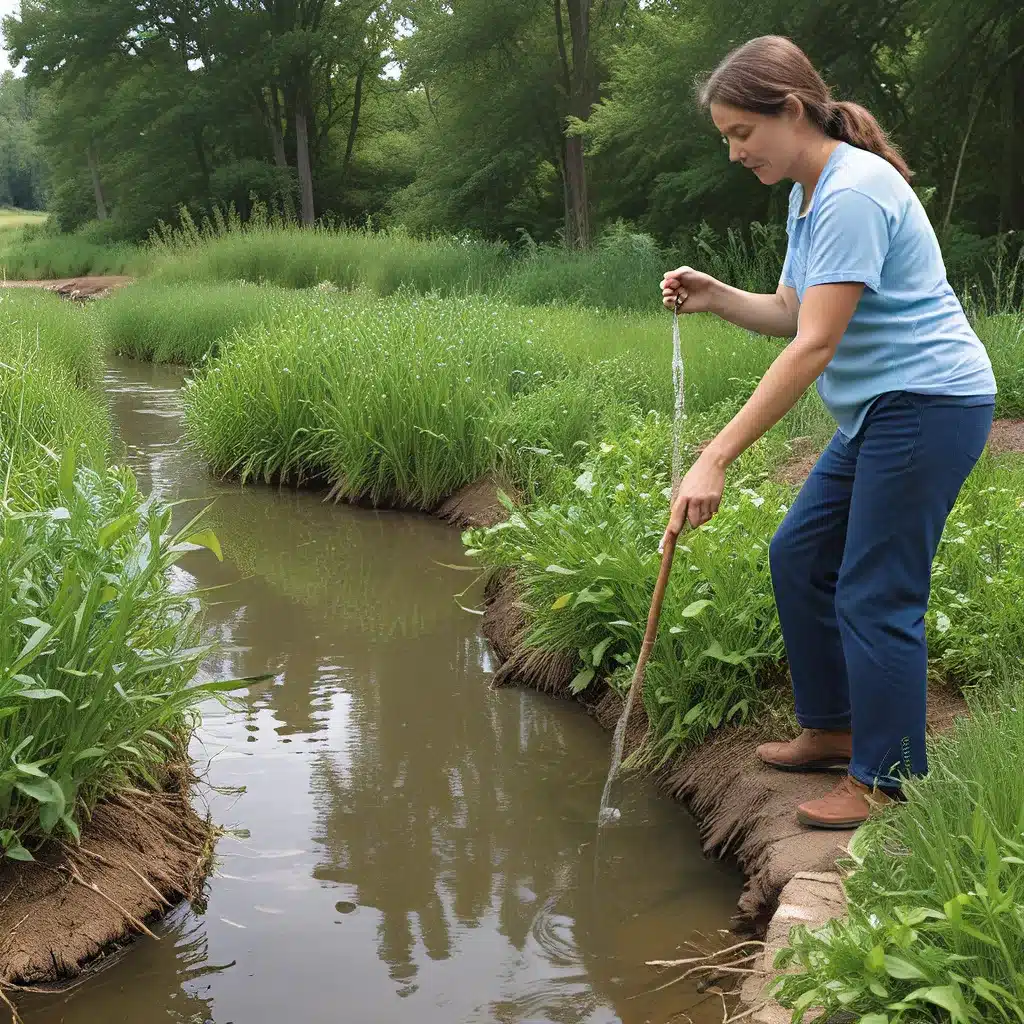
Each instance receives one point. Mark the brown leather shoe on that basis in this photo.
(848, 805)
(812, 750)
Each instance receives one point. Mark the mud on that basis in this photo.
(86, 287)
(744, 811)
(67, 915)
(475, 505)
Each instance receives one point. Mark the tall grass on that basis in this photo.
(405, 401)
(187, 324)
(935, 925)
(29, 255)
(97, 653)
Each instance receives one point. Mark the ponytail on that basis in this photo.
(763, 73)
(852, 123)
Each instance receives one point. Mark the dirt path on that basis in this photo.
(88, 287)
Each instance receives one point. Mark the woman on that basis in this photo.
(864, 296)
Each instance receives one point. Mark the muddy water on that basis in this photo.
(412, 846)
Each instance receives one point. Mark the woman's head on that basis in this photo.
(769, 102)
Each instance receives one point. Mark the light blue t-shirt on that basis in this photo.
(909, 331)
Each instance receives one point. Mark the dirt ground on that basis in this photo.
(744, 810)
(88, 287)
(68, 914)
(1006, 436)
(475, 505)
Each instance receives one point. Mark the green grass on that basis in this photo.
(97, 654)
(406, 400)
(935, 925)
(11, 218)
(189, 324)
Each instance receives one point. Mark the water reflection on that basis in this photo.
(419, 847)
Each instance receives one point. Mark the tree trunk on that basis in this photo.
(969, 130)
(276, 135)
(357, 103)
(97, 185)
(577, 83)
(302, 160)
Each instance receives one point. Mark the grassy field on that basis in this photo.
(98, 653)
(11, 218)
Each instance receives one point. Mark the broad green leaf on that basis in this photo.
(31, 769)
(560, 570)
(946, 996)
(691, 611)
(582, 680)
(206, 539)
(49, 815)
(599, 649)
(561, 602)
(592, 596)
(69, 824)
(34, 642)
(66, 475)
(875, 960)
(46, 791)
(109, 533)
(88, 753)
(693, 714)
(44, 695)
(875, 1018)
(18, 853)
(896, 967)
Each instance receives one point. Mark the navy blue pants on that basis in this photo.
(851, 566)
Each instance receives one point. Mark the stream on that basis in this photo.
(407, 844)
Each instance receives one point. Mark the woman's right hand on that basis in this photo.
(693, 291)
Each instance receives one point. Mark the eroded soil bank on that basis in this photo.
(744, 811)
(66, 915)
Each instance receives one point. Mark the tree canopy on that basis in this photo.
(553, 117)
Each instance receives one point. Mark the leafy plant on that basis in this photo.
(97, 653)
(935, 926)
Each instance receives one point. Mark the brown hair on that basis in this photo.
(759, 76)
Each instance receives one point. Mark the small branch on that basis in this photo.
(138, 874)
(76, 877)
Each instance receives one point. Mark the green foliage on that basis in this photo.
(47, 359)
(97, 653)
(584, 558)
(97, 649)
(185, 324)
(935, 928)
(47, 256)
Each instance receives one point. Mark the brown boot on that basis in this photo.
(812, 750)
(847, 806)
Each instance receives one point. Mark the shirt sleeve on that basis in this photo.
(849, 241)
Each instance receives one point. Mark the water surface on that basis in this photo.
(419, 847)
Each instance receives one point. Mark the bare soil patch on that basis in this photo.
(1006, 436)
(87, 287)
(476, 504)
(68, 914)
(745, 811)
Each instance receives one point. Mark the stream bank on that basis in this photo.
(402, 839)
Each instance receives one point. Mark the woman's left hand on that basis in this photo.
(698, 497)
